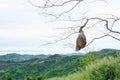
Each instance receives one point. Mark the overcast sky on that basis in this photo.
(22, 28)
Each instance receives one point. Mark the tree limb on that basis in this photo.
(105, 21)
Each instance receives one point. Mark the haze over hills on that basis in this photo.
(107, 51)
(19, 57)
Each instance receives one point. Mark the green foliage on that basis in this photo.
(18, 57)
(55, 65)
(64, 66)
(41, 77)
(103, 72)
(6, 77)
(106, 68)
(87, 59)
(92, 66)
(28, 78)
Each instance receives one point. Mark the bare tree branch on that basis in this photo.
(66, 2)
(85, 23)
(61, 39)
(105, 22)
(114, 37)
(110, 29)
(108, 23)
(52, 4)
(94, 24)
(106, 35)
(47, 5)
(96, 38)
(69, 9)
(115, 20)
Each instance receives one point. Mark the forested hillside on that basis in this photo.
(18, 57)
(54, 65)
(74, 67)
(107, 68)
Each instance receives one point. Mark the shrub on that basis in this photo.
(41, 77)
(87, 59)
(28, 78)
(105, 69)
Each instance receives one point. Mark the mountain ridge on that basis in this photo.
(20, 57)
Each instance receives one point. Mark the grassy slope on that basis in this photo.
(96, 70)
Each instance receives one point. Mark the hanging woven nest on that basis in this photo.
(81, 40)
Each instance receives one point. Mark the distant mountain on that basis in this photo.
(107, 51)
(73, 54)
(18, 57)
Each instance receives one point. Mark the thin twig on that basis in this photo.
(69, 9)
(56, 41)
(96, 38)
(102, 37)
(107, 26)
(114, 37)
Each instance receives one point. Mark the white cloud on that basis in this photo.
(5, 5)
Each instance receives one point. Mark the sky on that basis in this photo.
(25, 30)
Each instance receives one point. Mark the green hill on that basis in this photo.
(107, 68)
(18, 57)
(54, 65)
(92, 66)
